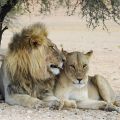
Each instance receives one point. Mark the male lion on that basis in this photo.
(76, 89)
(28, 71)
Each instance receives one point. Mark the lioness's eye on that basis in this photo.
(85, 65)
(72, 66)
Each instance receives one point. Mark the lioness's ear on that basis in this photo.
(89, 54)
(65, 53)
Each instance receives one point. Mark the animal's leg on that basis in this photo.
(117, 102)
(70, 103)
(17, 99)
(95, 104)
(24, 100)
(104, 88)
(53, 102)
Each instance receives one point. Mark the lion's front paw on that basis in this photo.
(55, 105)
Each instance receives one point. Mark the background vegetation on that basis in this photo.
(96, 12)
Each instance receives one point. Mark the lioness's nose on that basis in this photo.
(79, 80)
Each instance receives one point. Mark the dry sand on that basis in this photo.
(73, 34)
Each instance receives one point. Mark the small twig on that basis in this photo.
(1, 32)
(75, 7)
(5, 28)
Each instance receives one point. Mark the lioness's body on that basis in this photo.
(100, 89)
(29, 68)
(79, 90)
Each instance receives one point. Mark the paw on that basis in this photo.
(118, 109)
(70, 104)
(55, 105)
(111, 108)
(73, 104)
(117, 103)
(38, 104)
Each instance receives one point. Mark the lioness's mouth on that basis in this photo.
(79, 83)
(76, 83)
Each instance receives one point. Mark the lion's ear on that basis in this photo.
(89, 54)
(36, 41)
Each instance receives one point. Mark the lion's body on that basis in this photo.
(30, 66)
(77, 89)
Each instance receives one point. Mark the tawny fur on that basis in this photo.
(27, 64)
(77, 89)
(22, 57)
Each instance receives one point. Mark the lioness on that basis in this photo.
(28, 72)
(76, 89)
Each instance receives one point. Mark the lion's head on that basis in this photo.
(76, 67)
(31, 55)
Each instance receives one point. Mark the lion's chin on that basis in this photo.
(55, 71)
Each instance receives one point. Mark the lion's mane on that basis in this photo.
(25, 62)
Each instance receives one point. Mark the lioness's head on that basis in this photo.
(32, 52)
(76, 67)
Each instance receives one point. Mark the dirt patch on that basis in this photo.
(73, 34)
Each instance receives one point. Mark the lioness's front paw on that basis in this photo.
(117, 103)
(73, 104)
(111, 108)
(55, 105)
(38, 104)
(118, 109)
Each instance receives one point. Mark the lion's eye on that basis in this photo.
(52, 47)
(85, 65)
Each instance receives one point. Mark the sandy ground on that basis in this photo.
(73, 34)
